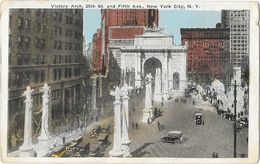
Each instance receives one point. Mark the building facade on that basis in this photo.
(120, 18)
(238, 23)
(44, 46)
(208, 52)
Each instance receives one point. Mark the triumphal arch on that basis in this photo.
(154, 52)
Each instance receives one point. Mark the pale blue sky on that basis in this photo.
(170, 20)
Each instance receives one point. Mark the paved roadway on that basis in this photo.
(199, 141)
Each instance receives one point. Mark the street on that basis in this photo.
(200, 141)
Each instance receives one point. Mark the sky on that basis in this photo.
(170, 20)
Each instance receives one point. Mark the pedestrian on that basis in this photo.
(63, 140)
(133, 109)
(159, 125)
(133, 125)
(216, 155)
(193, 102)
(213, 155)
(148, 121)
(136, 125)
(203, 122)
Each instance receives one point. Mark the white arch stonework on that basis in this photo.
(159, 45)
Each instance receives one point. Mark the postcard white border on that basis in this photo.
(253, 130)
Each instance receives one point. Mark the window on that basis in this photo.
(42, 76)
(20, 23)
(27, 24)
(59, 45)
(55, 44)
(60, 17)
(36, 76)
(19, 41)
(55, 74)
(55, 15)
(54, 59)
(60, 31)
(59, 58)
(55, 94)
(10, 21)
(40, 43)
(27, 42)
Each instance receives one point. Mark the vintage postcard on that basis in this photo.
(130, 81)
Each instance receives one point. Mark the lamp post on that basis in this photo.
(235, 124)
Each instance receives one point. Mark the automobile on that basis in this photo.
(239, 125)
(58, 151)
(105, 128)
(83, 149)
(243, 122)
(198, 118)
(174, 137)
(94, 150)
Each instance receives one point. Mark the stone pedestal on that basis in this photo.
(147, 111)
(43, 147)
(116, 151)
(27, 149)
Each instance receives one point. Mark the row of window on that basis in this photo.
(23, 78)
(25, 59)
(239, 41)
(58, 59)
(25, 24)
(24, 42)
(67, 45)
(57, 73)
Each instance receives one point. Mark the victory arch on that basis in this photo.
(154, 52)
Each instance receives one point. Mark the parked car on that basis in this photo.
(173, 137)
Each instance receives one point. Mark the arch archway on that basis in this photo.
(150, 66)
(176, 81)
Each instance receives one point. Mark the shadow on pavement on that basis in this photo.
(139, 153)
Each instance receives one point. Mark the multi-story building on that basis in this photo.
(238, 23)
(44, 46)
(208, 51)
(120, 18)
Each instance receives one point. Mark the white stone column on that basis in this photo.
(94, 96)
(147, 111)
(165, 77)
(43, 146)
(158, 86)
(125, 121)
(101, 91)
(116, 151)
(138, 70)
(100, 85)
(27, 149)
